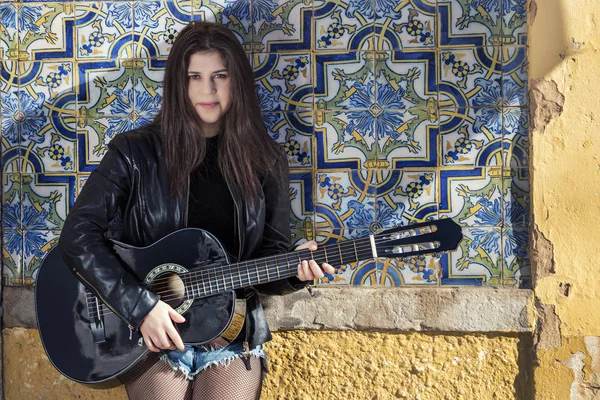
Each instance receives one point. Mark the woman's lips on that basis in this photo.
(208, 105)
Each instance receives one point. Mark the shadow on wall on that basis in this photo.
(549, 44)
(523, 383)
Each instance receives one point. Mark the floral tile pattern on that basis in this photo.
(390, 113)
(477, 261)
(472, 197)
(413, 271)
(157, 25)
(49, 84)
(347, 25)
(404, 197)
(470, 77)
(401, 25)
(281, 25)
(52, 148)
(104, 30)
(515, 65)
(470, 23)
(472, 137)
(344, 80)
(45, 30)
(514, 22)
(515, 137)
(93, 136)
(294, 130)
(284, 81)
(9, 41)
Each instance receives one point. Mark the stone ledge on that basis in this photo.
(359, 308)
(402, 309)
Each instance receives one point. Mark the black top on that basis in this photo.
(211, 206)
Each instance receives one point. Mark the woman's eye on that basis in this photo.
(221, 76)
(194, 76)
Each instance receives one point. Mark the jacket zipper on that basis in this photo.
(131, 328)
(187, 203)
(237, 211)
(237, 222)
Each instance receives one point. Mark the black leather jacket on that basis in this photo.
(128, 198)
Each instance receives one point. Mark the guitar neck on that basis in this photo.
(218, 278)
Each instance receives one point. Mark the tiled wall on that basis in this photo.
(390, 111)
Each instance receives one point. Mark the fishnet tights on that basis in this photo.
(231, 382)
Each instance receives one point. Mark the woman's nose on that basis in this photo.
(208, 86)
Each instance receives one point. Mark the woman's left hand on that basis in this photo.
(310, 270)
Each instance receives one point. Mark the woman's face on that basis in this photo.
(208, 88)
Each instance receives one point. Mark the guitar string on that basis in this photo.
(247, 271)
(251, 274)
(249, 264)
(366, 244)
(104, 310)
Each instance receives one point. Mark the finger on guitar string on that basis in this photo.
(315, 270)
(309, 269)
(301, 275)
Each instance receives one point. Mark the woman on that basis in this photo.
(206, 162)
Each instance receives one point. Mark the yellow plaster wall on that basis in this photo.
(328, 366)
(566, 159)
(564, 61)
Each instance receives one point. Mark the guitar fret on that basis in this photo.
(325, 254)
(209, 282)
(197, 284)
(240, 275)
(355, 252)
(340, 250)
(216, 280)
(257, 273)
(231, 277)
(223, 277)
(267, 269)
(288, 266)
(248, 273)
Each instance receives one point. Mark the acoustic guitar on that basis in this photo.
(87, 341)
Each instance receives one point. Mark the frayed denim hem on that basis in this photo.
(193, 360)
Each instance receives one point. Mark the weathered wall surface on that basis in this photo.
(329, 366)
(565, 106)
(330, 360)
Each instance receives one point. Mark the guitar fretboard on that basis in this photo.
(218, 278)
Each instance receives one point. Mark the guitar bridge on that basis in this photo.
(96, 318)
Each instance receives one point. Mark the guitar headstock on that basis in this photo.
(424, 238)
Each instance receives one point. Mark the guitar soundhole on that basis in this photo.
(170, 288)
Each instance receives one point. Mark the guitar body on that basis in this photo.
(89, 349)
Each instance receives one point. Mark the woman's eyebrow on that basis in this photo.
(214, 72)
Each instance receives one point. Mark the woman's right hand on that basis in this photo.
(158, 328)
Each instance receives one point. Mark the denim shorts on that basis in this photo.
(195, 359)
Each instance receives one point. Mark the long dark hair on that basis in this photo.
(246, 151)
